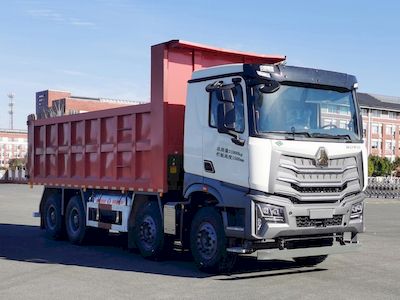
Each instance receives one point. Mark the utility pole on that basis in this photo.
(11, 109)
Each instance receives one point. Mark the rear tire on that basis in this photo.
(75, 221)
(149, 232)
(310, 261)
(208, 242)
(52, 218)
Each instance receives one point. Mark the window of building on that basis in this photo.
(389, 148)
(234, 111)
(332, 109)
(376, 113)
(375, 144)
(389, 130)
(364, 111)
(344, 110)
(329, 122)
(375, 128)
(343, 124)
(392, 115)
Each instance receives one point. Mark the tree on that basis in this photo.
(371, 166)
(16, 163)
(386, 167)
(396, 163)
(378, 166)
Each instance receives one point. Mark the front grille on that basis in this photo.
(302, 179)
(319, 189)
(305, 221)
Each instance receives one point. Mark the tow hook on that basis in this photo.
(281, 243)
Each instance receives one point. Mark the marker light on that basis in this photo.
(267, 68)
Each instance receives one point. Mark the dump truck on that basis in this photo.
(236, 154)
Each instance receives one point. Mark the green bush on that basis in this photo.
(371, 166)
(380, 166)
(16, 163)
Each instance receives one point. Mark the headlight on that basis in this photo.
(357, 210)
(272, 213)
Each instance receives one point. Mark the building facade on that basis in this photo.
(50, 103)
(13, 144)
(381, 124)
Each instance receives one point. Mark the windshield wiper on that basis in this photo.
(330, 136)
(291, 134)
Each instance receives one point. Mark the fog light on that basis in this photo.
(272, 213)
(357, 210)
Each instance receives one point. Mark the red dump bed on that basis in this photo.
(126, 148)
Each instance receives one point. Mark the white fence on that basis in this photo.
(383, 187)
(13, 176)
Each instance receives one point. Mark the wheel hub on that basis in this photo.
(51, 217)
(207, 240)
(148, 231)
(74, 220)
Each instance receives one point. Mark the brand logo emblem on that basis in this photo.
(279, 143)
(321, 158)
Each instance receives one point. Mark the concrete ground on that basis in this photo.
(33, 267)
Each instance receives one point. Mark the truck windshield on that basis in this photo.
(295, 111)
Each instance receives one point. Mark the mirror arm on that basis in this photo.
(235, 137)
(219, 85)
(237, 141)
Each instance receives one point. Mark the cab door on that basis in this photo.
(225, 150)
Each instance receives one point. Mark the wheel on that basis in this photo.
(208, 242)
(310, 261)
(52, 219)
(75, 221)
(149, 232)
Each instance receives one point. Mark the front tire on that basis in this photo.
(310, 261)
(75, 221)
(208, 242)
(52, 220)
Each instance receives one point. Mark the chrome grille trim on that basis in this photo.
(315, 171)
(300, 178)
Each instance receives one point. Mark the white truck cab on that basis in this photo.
(280, 149)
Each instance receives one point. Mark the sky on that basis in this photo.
(101, 48)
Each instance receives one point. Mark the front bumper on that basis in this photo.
(305, 219)
(267, 254)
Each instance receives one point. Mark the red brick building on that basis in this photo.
(381, 124)
(13, 144)
(51, 103)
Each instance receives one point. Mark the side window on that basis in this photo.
(234, 111)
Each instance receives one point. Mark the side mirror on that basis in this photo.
(269, 87)
(222, 127)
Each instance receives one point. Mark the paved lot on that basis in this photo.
(33, 267)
